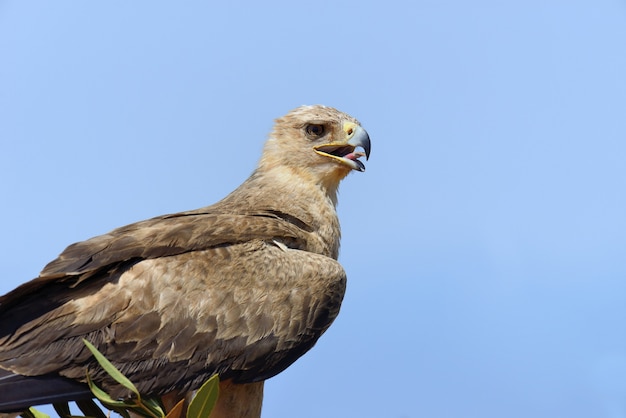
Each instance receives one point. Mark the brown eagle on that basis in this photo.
(241, 288)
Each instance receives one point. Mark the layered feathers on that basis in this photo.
(241, 288)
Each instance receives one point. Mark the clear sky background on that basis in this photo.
(485, 244)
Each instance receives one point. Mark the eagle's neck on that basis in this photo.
(283, 190)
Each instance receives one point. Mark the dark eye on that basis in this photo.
(315, 131)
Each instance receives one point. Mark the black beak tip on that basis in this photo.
(367, 146)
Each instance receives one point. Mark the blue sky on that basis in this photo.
(484, 245)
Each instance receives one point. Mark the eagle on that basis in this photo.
(241, 288)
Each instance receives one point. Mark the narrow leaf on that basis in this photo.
(154, 406)
(33, 413)
(27, 414)
(206, 398)
(111, 369)
(103, 396)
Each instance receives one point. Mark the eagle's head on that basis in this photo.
(318, 144)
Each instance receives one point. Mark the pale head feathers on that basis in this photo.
(289, 149)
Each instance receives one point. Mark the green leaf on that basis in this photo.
(206, 398)
(111, 369)
(149, 407)
(27, 414)
(33, 413)
(154, 406)
(103, 396)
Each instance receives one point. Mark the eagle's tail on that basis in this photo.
(18, 393)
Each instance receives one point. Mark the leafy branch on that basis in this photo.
(200, 406)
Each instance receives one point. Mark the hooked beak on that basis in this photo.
(345, 151)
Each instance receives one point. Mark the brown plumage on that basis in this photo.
(241, 288)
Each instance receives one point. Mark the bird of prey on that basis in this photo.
(241, 288)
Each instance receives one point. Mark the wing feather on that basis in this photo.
(245, 311)
(158, 237)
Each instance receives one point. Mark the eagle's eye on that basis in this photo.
(315, 131)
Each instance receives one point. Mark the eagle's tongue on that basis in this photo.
(354, 156)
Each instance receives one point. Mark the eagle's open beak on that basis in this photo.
(344, 152)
